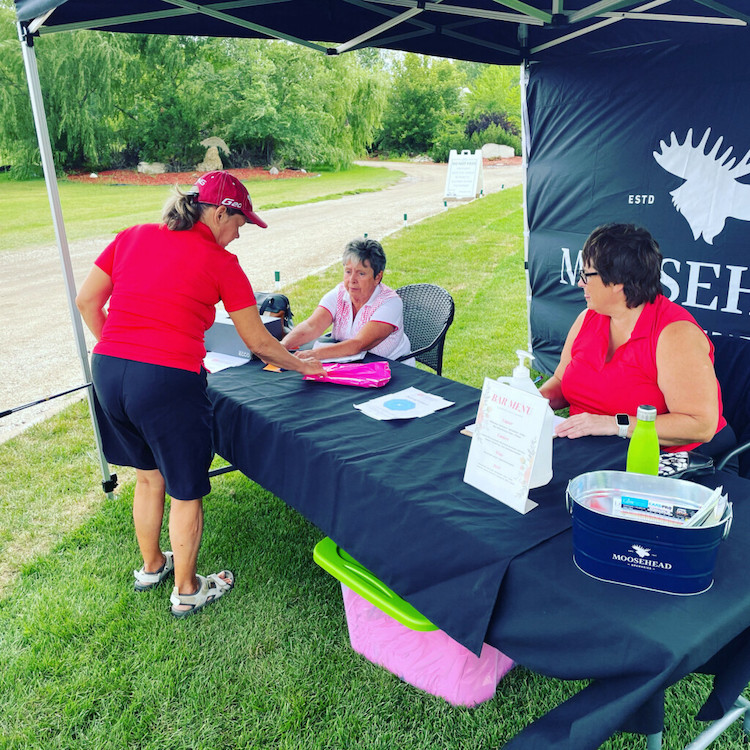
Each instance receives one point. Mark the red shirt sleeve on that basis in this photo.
(106, 259)
(234, 286)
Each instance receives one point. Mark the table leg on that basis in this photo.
(708, 735)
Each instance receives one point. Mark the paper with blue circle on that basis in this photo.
(407, 404)
(399, 404)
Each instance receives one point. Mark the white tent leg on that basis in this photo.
(525, 147)
(109, 480)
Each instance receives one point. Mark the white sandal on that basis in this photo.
(210, 589)
(145, 581)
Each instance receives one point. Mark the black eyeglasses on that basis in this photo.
(585, 275)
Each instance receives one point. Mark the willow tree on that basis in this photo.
(298, 107)
(115, 99)
(166, 100)
(78, 91)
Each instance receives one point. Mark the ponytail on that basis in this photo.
(181, 210)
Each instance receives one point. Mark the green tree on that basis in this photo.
(16, 125)
(167, 99)
(469, 71)
(78, 97)
(490, 112)
(424, 92)
(115, 99)
(356, 100)
(495, 89)
(300, 108)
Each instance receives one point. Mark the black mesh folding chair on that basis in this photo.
(428, 313)
(732, 366)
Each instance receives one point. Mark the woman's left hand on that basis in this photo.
(306, 354)
(580, 425)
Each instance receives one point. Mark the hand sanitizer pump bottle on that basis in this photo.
(541, 472)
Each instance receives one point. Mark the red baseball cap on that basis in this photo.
(223, 189)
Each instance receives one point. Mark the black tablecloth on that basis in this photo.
(391, 493)
(633, 642)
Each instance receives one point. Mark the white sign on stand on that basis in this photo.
(505, 442)
(465, 178)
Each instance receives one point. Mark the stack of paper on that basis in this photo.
(667, 512)
(216, 361)
(712, 511)
(405, 404)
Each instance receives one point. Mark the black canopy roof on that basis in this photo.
(493, 31)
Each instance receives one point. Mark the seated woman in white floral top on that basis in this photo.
(366, 315)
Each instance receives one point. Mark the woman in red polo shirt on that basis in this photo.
(160, 283)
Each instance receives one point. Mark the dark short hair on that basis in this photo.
(366, 251)
(628, 255)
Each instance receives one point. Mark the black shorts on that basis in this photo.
(155, 417)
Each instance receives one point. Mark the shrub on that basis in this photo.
(495, 134)
(452, 135)
(486, 120)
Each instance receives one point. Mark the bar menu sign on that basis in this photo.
(465, 178)
(505, 442)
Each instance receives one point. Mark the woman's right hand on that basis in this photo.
(311, 367)
(252, 331)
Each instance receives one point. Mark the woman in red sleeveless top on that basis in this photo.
(633, 346)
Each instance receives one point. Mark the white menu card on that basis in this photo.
(504, 444)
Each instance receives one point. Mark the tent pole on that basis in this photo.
(109, 480)
(525, 150)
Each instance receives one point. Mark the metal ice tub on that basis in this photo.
(674, 559)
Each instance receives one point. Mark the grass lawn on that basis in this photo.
(87, 663)
(94, 210)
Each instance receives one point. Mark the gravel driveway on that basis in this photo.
(39, 351)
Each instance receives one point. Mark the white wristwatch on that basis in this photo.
(623, 424)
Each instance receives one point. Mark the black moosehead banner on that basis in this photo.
(662, 141)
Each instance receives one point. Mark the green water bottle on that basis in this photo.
(643, 451)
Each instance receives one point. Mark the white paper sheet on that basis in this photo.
(407, 404)
(216, 362)
(351, 358)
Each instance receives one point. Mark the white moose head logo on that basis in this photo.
(641, 551)
(711, 192)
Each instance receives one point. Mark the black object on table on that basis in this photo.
(392, 494)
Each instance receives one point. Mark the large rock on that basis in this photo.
(496, 151)
(211, 162)
(152, 167)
